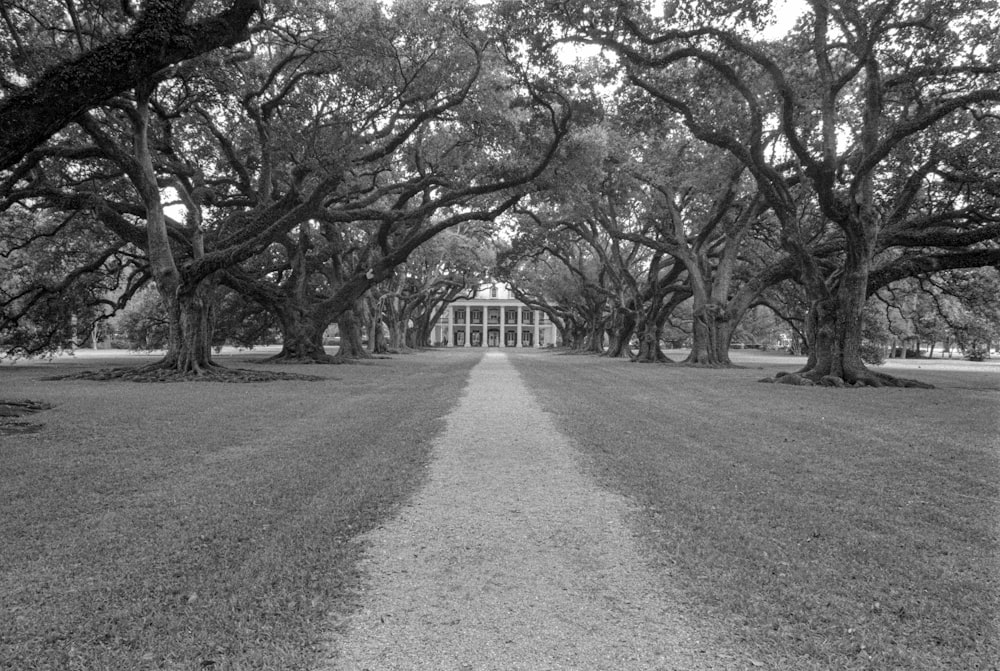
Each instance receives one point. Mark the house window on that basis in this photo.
(494, 315)
(476, 316)
(460, 316)
(493, 292)
(527, 316)
(510, 317)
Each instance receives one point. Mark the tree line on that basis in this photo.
(364, 162)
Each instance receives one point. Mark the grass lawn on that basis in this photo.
(202, 525)
(822, 528)
(208, 526)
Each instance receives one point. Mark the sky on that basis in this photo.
(785, 13)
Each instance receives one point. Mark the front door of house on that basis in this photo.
(493, 339)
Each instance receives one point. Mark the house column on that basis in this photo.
(517, 340)
(537, 317)
(502, 327)
(468, 327)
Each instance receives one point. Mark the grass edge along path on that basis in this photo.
(192, 526)
(826, 528)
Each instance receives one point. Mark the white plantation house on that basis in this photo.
(494, 318)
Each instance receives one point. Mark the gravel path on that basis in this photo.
(510, 558)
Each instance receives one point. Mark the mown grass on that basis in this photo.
(819, 528)
(202, 526)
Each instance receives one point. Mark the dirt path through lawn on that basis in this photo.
(511, 558)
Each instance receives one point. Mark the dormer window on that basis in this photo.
(493, 291)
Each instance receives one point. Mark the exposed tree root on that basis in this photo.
(284, 358)
(9, 427)
(659, 357)
(340, 358)
(166, 372)
(868, 378)
(10, 409)
(707, 361)
(687, 363)
(874, 379)
(642, 359)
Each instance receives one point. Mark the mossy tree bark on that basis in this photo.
(302, 337)
(712, 333)
(593, 341)
(649, 344)
(622, 329)
(351, 346)
(191, 315)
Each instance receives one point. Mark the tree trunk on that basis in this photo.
(351, 347)
(649, 344)
(397, 336)
(712, 333)
(379, 337)
(423, 328)
(301, 337)
(578, 338)
(189, 349)
(417, 335)
(594, 340)
(425, 335)
(836, 350)
(188, 300)
(622, 328)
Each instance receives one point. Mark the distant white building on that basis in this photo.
(494, 318)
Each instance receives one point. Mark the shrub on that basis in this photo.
(872, 353)
(978, 353)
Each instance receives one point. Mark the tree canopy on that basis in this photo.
(308, 159)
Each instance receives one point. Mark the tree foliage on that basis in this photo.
(111, 48)
(302, 173)
(337, 143)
